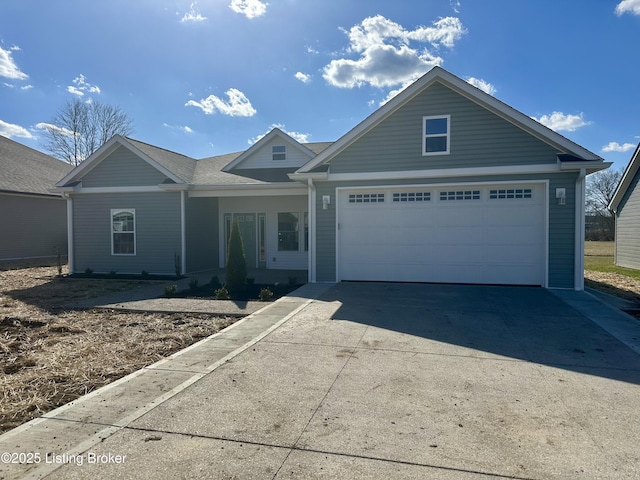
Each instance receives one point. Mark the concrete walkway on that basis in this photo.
(369, 381)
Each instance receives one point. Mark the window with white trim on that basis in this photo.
(123, 231)
(366, 197)
(505, 193)
(279, 152)
(412, 197)
(435, 135)
(460, 195)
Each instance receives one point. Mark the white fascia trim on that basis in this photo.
(42, 196)
(446, 172)
(590, 166)
(312, 231)
(142, 189)
(70, 247)
(247, 190)
(625, 181)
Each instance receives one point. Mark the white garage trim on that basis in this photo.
(342, 192)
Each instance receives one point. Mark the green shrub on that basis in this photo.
(222, 294)
(170, 290)
(88, 271)
(266, 294)
(215, 282)
(113, 274)
(236, 267)
(144, 273)
(193, 284)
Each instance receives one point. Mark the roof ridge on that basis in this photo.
(159, 148)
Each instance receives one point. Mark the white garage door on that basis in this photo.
(471, 234)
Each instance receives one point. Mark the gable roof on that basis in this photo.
(184, 170)
(275, 133)
(626, 180)
(28, 171)
(438, 74)
(175, 166)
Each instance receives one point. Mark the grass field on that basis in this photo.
(598, 257)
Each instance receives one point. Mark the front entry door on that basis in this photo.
(247, 224)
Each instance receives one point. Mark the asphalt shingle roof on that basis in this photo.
(25, 170)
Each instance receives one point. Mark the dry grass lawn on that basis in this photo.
(601, 273)
(50, 355)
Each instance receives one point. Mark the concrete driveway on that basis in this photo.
(402, 381)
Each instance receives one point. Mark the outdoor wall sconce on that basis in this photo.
(561, 195)
(326, 201)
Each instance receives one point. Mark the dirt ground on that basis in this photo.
(50, 354)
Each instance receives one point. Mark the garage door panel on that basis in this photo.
(443, 238)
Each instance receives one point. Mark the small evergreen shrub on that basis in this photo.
(144, 273)
(222, 294)
(88, 271)
(193, 284)
(170, 290)
(215, 282)
(236, 268)
(265, 294)
(113, 274)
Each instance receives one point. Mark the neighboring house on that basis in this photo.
(625, 205)
(34, 220)
(444, 183)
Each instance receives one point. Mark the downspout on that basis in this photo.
(312, 231)
(70, 257)
(183, 234)
(578, 274)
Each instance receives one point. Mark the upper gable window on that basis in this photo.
(435, 134)
(279, 152)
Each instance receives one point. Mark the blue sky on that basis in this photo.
(210, 77)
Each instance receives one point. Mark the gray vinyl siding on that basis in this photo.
(33, 226)
(561, 223)
(157, 226)
(122, 169)
(202, 234)
(478, 138)
(628, 228)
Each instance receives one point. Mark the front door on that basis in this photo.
(248, 226)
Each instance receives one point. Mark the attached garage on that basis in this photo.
(464, 233)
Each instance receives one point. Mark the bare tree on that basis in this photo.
(599, 192)
(80, 128)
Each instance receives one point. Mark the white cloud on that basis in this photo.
(559, 122)
(26, 87)
(237, 106)
(249, 8)
(486, 87)
(192, 15)
(10, 130)
(81, 86)
(616, 147)
(628, 6)
(303, 77)
(300, 137)
(55, 128)
(8, 67)
(386, 56)
(182, 128)
(312, 50)
(455, 4)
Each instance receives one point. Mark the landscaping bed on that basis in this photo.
(215, 291)
(50, 355)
